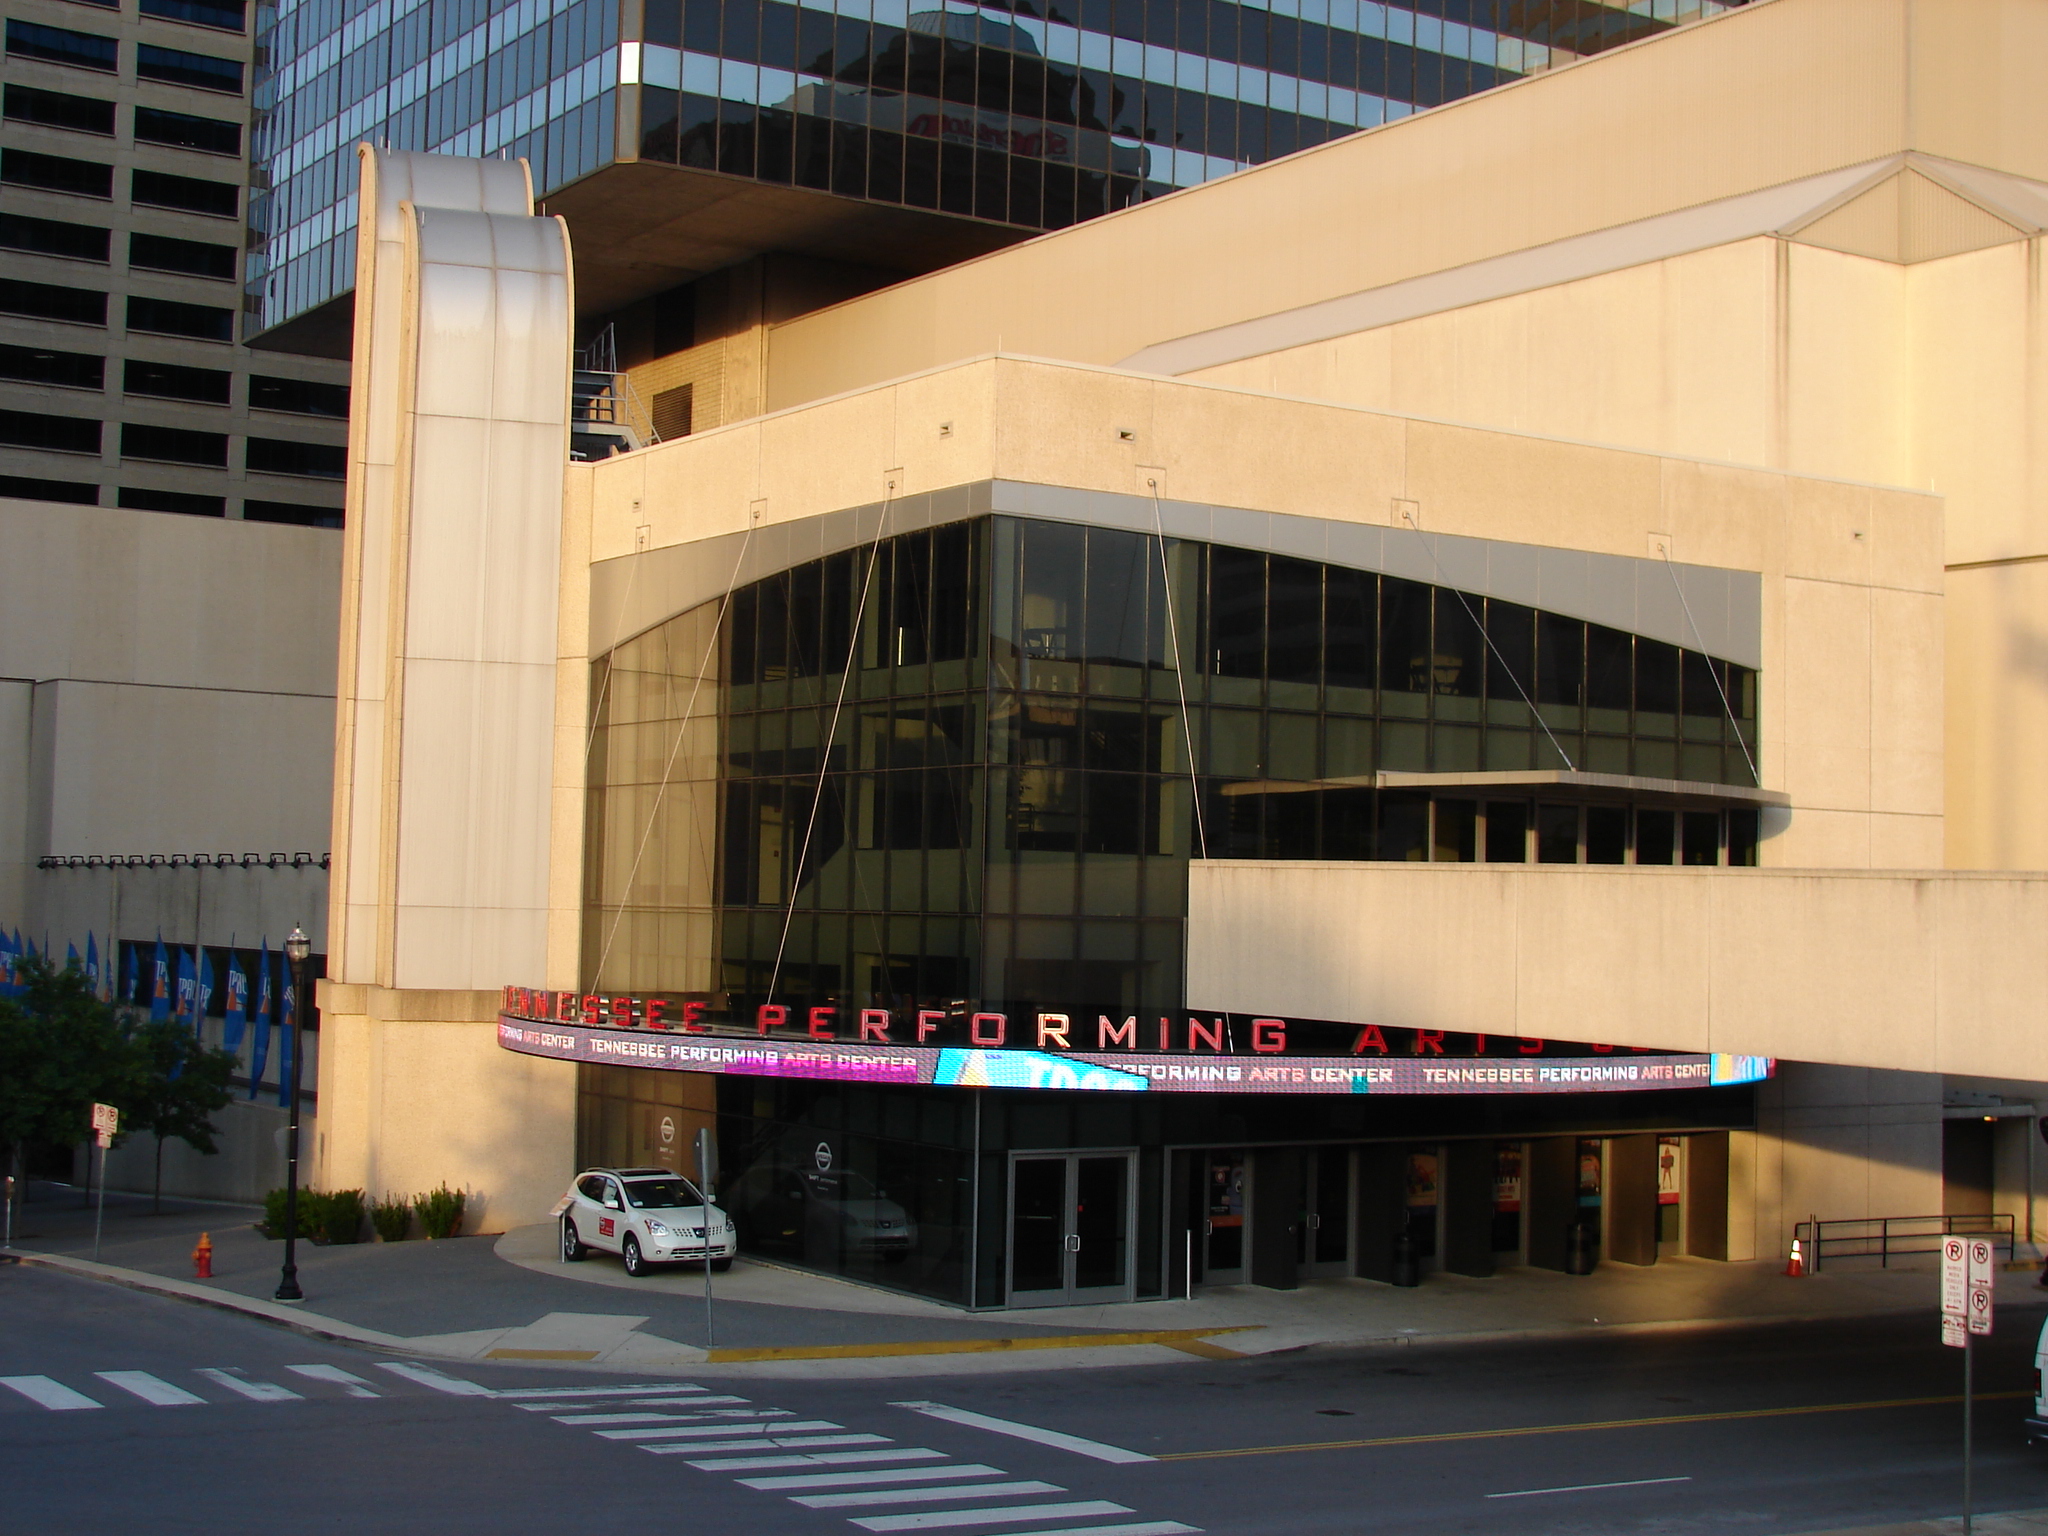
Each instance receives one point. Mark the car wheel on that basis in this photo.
(630, 1252)
(720, 1266)
(573, 1250)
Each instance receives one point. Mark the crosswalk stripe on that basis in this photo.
(150, 1389)
(258, 1391)
(795, 1442)
(350, 1383)
(427, 1377)
(634, 1391)
(868, 1479)
(45, 1393)
(1058, 1439)
(942, 1519)
(1132, 1528)
(919, 1495)
(819, 1459)
(620, 1418)
(557, 1405)
(712, 1431)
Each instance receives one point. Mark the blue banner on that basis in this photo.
(92, 964)
(160, 985)
(236, 1015)
(260, 1052)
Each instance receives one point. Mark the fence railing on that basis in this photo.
(1887, 1236)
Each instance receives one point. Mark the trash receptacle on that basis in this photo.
(1407, 1260)
(1581, 1248)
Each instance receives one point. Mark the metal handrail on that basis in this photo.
(1888, 1235)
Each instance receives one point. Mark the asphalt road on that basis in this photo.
(122, 1412)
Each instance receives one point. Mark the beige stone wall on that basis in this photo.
(415, 1092)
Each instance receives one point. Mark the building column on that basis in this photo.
(1630, 1195)
(1465, 1190)
(1382, 1211)
(1706, 1195)
(1550, 1198)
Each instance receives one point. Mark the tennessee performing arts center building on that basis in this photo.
(1073, 834)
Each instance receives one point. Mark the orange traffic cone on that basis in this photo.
(1796, 1265)
(202, 1257)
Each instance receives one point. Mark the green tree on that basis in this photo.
(176, 1083)
(61, 1050)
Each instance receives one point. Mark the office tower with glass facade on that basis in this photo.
(888, 137)
(123, 377)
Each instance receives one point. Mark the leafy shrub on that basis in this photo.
(312, 1215)
(392, 1217)
(341, 1217)
(440, 1211)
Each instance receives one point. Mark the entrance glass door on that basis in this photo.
(1323, 1242)
(1070, 1228)
(1223, 1219)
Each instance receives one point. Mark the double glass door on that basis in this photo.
(1323, 1236)
(1070, 1227)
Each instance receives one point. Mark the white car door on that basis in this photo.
(597, 1213)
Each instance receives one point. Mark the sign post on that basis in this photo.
(707, 1174)
(106, 1124)
(1966, 1306)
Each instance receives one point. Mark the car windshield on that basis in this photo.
(661, 1194)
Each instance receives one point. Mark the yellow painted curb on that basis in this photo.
(1172, 1338)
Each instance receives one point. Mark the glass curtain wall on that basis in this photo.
(1034, 113)
(994, 802)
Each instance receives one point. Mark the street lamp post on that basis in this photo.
(297, 948)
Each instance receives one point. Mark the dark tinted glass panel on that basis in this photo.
(1054, 566)
(1507, 832)
(1702, 837)
(158, 189)
(1404, 636)
(1296, 604)
(1457, 823)
(176, 67)
(291, 512)
(303, 397)
(1656, 836)
(1656, 685)
(49, 237)
(41, 365)
(1237, 611)
(1557, 834)
(174, 444)
(57, 434)
(1560, 659)
(172, 381)
(1742, 838)
(1117, 570)
(47, 301)
(166, 317)
(187, 503)
(1511, 651)
(225, 14)
(1702, 691)
(1403, 827)
(1460, 656)
(1607, 669)
(56, 45)
(56, 173)
(161, 253)
(277, 456)
(58, 109)
(28, 488)
(154, 125)
(1350, 628)
(1606, 834)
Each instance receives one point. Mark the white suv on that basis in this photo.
(646, 1216)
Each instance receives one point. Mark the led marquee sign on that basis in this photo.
(960, 1048)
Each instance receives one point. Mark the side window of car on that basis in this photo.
(591, 1187)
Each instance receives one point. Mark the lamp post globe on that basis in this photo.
(297, 949)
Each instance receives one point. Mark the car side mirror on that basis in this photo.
(611, 1202)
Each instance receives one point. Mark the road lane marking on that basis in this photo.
(426, 1376)
(712, 1431)
(348, 1381)
(1051, 1437)
(150, 1389)
(643, 1387)
(942, 1519)
(817, 1459)
(1634, 1482)
(1574, 1429)
(45, 1393)
(919, 1495)
(556, 1405)
(796, 1442)
(1134, 1528)
(255, 1391)
(869, 1479)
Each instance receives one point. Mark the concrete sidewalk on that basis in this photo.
(2016, 1522)
(510, 1298)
